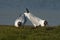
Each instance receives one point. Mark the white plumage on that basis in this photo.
(35, 20)
(20, 20)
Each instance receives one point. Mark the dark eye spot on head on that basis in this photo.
(19, 23)
(45, 23)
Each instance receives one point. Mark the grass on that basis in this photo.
(28, 33)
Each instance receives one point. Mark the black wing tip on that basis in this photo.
(27, 10)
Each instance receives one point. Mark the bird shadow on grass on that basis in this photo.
(47, 28)
(50, 28)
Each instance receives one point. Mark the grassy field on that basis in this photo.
(28, 33)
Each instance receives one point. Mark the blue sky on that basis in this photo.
(45, 9)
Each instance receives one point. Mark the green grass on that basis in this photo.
(28, 33)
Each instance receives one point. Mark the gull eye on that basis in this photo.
(19, 23)
(45, 23)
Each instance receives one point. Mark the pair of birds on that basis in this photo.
(35, 20)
